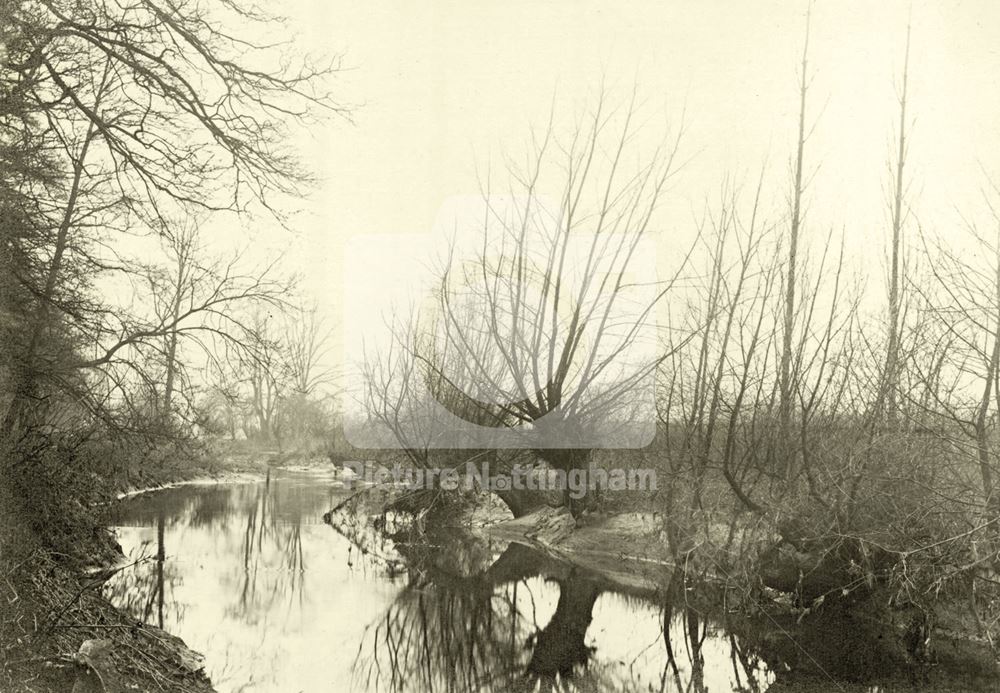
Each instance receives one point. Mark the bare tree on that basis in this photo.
(964, 303)
(147, 113)
(540, 331)
(267, 376)
(198, 301)
(715, 383)
(181, 249)
(308, 351)
(890, 386)
(786, 382)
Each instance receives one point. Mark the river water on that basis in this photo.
(249, 575)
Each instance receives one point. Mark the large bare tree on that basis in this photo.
(542, 336)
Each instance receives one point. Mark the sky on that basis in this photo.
(443, 89)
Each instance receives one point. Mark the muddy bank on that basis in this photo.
(59, 634)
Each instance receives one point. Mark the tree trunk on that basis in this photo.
(168, 388)
(786, 384)
(890, 386)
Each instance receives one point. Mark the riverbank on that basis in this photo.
(57, 630)
(862, 636)
(219, 463)
(58, 633)
(859, 637)
(61, 634)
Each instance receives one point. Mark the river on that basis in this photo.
(249, 575)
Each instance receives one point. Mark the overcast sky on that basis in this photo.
(445, 86)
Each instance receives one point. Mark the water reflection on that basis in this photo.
(142, 589)
(523, 621)
(249, 575)
(253, 579)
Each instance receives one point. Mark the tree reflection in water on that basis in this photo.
(685, 625)
(271, 535)
(141, 589)
(465, 622)
(445, 611)
(271, 528)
